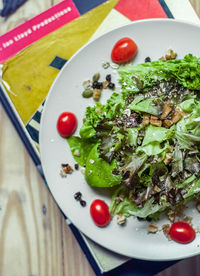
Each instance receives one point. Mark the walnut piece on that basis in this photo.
(66, 168)
(171, 215)
(121, 219)
(187, 219)
(156, 189)
(168, 159)
(119, 198)
(152, 228)
(166, 229)
(170, 54)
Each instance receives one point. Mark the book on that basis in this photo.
(55, 35)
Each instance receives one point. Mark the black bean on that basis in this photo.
(97, 84)
(147, 59)
(83, 203)
(111, 85)
(108, 77)
(78, 196)
(76, 166)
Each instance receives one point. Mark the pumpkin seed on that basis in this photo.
(87, 93)
(96, 77)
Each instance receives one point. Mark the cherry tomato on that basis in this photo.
(124, 50)
(100, 213)
(182, 232)
(66, 124)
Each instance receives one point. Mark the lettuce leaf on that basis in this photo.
(153, 148)
(148, 209)
(98, 172)
(177, 162)
(139, 104)
(80, 148)
(132, 135)
(188, 129)
(157, 134)
(186, 71)
(93, 115)
(193, 189)
(129, 208)
(188, 105)
(114, 106)
(153, 139)
(186, 140)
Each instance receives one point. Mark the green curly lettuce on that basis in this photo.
(186, 71)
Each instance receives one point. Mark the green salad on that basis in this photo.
(144, 142)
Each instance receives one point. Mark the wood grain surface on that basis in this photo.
(34, 237)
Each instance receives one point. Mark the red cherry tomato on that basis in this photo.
(100, 213)
(66, 124)
(182, 232)
(124, 50)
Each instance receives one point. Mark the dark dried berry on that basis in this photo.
(147, 59)
(108, 77)
(78, 196)
(111, 85)
(148, 219)
(94, 84)
(83, 203)
(97, 84)
(140, 219)
(76, 166)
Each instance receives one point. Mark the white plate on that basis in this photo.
(153, 38)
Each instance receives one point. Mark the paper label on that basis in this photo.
(39, 26)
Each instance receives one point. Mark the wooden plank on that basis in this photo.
(77, 264)
(34, 237)
(30, 239)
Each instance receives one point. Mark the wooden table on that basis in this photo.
(34, 238)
